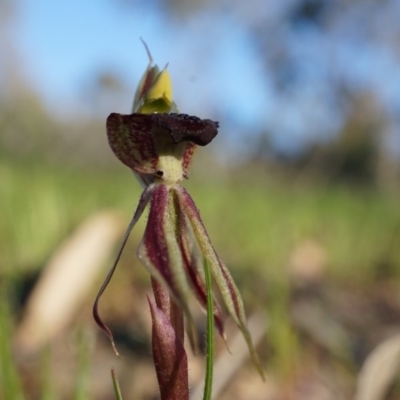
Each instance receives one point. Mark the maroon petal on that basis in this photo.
(220, 273)
(194, 264)
(160, 253)
(154, 250)
(131, 140)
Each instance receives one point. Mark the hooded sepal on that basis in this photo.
(158, 144)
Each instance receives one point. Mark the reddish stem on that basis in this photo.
(169, 355)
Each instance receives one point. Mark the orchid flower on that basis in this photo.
(158, 144)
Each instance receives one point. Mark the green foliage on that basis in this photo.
(254, 225)
(48, 391)
(41, 205)
(357, 228)
(10, 384)
(82, 374)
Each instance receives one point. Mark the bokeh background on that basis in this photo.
(299, 191)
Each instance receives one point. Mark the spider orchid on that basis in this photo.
(158, 144)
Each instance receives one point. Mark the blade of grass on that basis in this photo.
(210, 335)
(117, 390)
(81, 390)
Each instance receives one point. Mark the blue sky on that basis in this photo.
(62, 43)
(217, 71)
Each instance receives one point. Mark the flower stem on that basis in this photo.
(169, 355)
(169, 308)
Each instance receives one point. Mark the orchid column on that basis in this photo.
(158, 146)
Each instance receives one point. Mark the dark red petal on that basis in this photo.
(220, 273)
(194, 263)
(130, 138)
(159, 251)
(154, 243)
(187, 158)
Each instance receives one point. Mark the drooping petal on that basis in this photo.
(194, 264)
(169, 357)
(160, 253)
(221, 274)
(144, 199)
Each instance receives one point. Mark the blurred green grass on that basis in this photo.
(254, 224)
